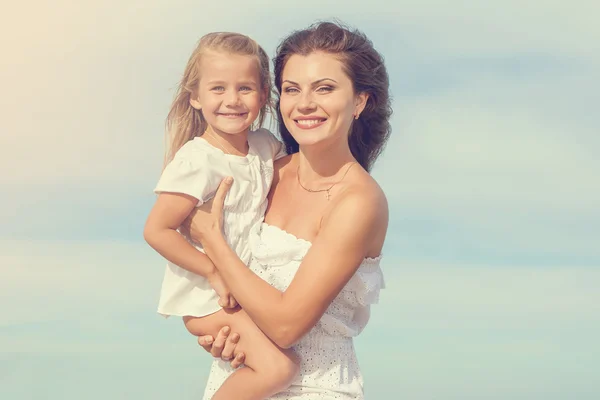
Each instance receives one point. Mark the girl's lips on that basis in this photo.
(233, 115)
(309, 123)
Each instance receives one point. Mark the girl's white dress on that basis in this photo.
(329, 368)
(197, 170)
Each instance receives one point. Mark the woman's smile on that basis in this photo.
(309, 122)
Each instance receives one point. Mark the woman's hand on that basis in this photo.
(223, 346)
(206, 222)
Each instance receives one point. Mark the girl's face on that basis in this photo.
(317, 99)
(229, 93)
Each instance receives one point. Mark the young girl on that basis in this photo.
(225, 88)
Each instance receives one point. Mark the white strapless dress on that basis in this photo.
(329, 368)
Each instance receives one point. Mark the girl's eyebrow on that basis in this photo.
(313, 84)
(224, 83)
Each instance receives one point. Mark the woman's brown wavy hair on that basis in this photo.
(365, 68)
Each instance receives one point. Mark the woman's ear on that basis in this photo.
(361, 103)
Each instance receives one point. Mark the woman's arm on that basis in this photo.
(356, 225)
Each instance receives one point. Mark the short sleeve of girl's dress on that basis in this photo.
(277, 148)
(189, 173)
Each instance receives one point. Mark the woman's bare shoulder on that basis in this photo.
(362, 200)
(282, 165)
(365, 190)
(283, 162)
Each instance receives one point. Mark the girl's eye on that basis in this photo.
(246, 89)
(218, 88)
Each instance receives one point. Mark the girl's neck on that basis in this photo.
(235, 144)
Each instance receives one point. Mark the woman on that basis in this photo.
(315, 267)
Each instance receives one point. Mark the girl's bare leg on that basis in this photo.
(269, 369)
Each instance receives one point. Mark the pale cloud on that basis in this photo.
(56, 280)
(514, 144)
(89, 86)
(458, 152)
(494, 146)
(87, 305)
(494, 133)
(480, 295)
(440, 27)
(61, 279)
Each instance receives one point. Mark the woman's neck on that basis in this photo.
(322, 162)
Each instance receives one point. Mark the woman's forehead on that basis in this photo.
(314, 66)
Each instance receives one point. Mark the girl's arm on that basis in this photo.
(356, 225)
(170, 210)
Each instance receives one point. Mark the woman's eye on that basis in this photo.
(324, 89)
(290, 90)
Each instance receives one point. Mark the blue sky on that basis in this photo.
(492, 260)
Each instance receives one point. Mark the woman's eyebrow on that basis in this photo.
(314, 83)
(323, 79)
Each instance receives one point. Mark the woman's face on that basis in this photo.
(317, 100)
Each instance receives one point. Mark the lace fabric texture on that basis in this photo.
(329, 367)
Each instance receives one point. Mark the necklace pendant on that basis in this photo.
(327, 195)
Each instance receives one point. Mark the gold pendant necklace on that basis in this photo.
(327, 194)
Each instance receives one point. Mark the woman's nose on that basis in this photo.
(306, 102)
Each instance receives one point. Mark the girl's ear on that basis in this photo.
(194, 102)
(264, 95)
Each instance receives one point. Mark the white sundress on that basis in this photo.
(328, 365)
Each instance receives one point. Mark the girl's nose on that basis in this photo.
(232, 98)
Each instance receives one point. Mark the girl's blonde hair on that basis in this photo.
(185, 122)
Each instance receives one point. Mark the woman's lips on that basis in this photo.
(309, 123)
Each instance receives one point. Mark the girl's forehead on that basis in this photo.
(228, 64)
(225, 59)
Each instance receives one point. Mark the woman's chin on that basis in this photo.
(308, 142)
(308, 139)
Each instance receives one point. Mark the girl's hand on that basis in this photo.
(226, 299)
(223, 346)
(206, 222)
